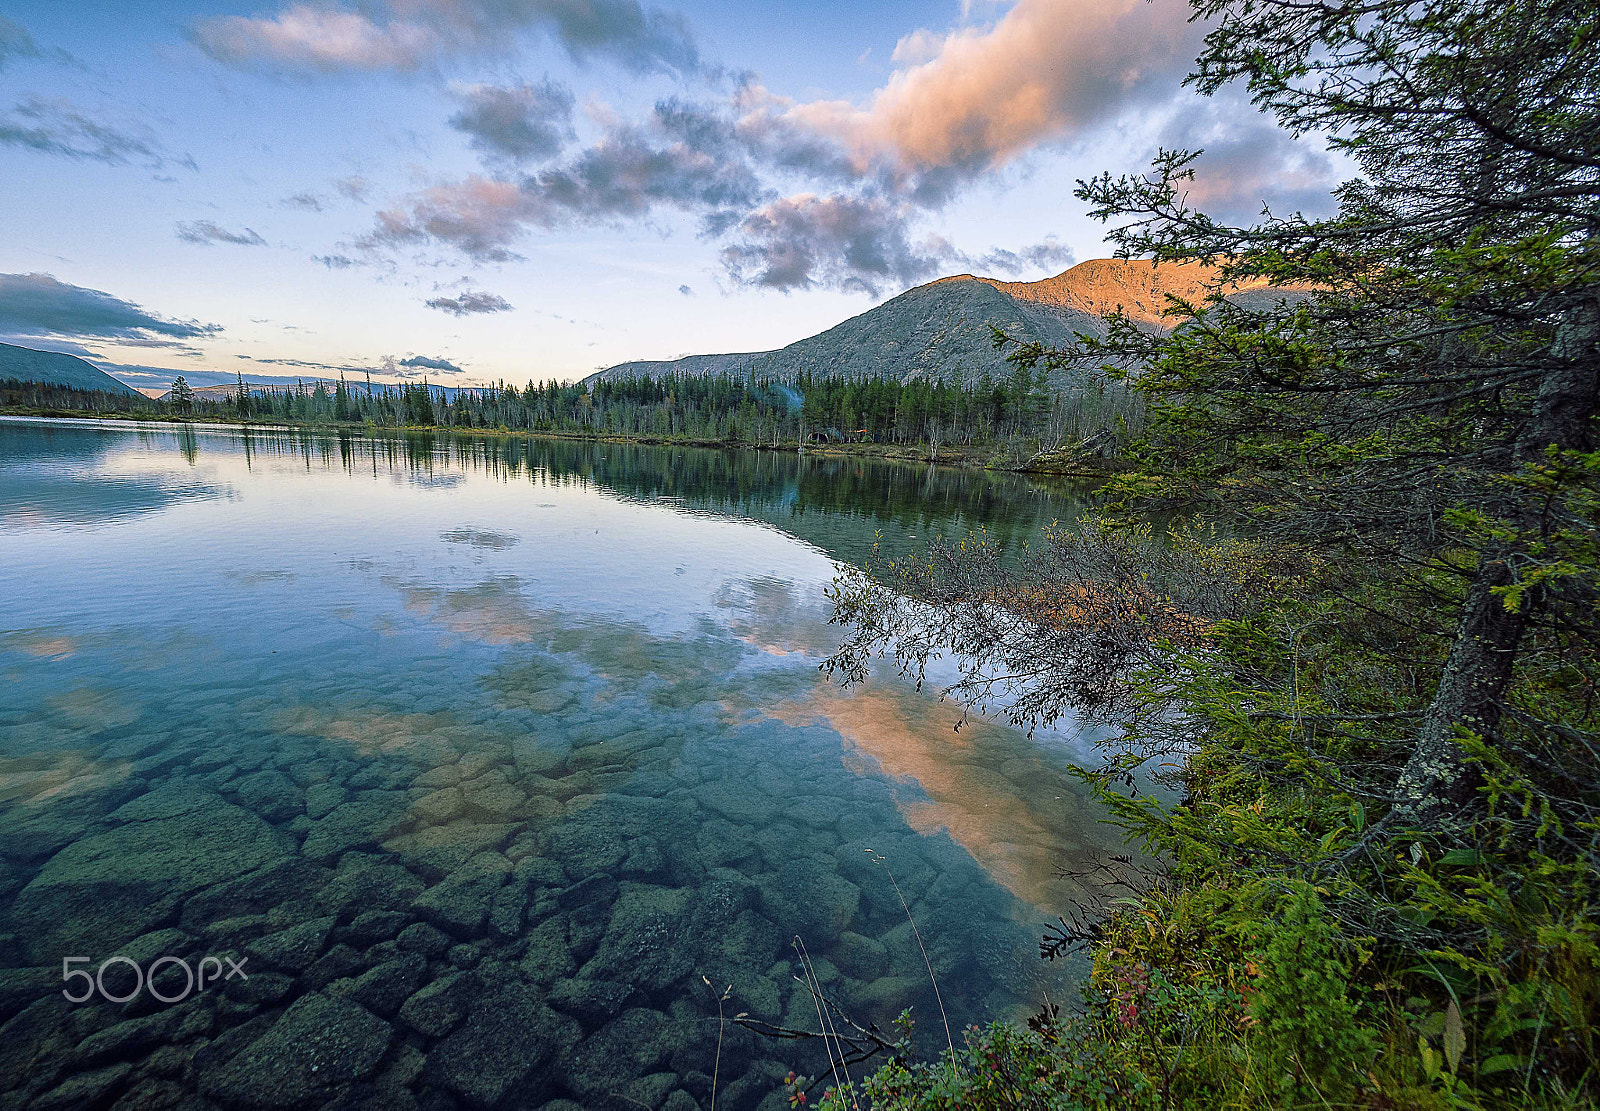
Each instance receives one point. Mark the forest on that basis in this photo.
(727, 409)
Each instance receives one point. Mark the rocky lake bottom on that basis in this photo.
(455, 815)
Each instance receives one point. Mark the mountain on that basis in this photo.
(688, 364)
(24, 364)
(942, 330)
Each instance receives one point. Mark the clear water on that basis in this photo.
(496, 762)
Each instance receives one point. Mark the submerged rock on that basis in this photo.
(368, 819)
(739, 802)
(809, 897)
(368, 882)
(549, 955)
(507, 1040)
(460, 902)
(438, 807)
(110, 887)
(179, 796)
(323, 799)
(385, 987)
(289, 882)
(435, 1010)
(437, 851)
(420, 937)
(588, 842)
(592, 1002)
(625, 1048)
(270, 794)
(317, 1047)
(86, 1089)
(864, 958)
(646, 940)
(136, 1036)
(293, 949)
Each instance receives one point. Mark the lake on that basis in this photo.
(475, 772)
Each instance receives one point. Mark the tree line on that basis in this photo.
(724, 408)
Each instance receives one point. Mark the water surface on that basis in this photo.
(495, 761)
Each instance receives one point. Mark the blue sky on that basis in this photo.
(535, 188)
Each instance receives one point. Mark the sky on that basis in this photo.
(483, 190)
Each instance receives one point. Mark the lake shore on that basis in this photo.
(1061, 463)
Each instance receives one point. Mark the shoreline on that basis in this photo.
(983, 457)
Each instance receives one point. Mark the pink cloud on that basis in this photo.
(308, 37)
(1048, 70)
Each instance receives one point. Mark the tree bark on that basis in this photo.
(1488, 635)
(1564, 410)
(1475, 674)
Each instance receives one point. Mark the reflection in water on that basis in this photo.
(62, 477)
(832, 502)
(483, 752)
(994, 794)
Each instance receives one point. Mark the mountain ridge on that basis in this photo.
(53, 368)
(943, 330)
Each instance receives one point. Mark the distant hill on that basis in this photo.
(942, 330)
(24, 364)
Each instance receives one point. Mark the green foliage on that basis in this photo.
(182, 395)
(1306, 1022)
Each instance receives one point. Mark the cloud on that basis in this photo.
(308, 201)
(832, 194)
(516, 124)
(921, 45)
(424, 362)
(470, 302)
(312, 365)
(205, 233)
(629, 172)
(59, 128)
(313, 37)
(335, 262)
(1046, 71)
(724, 164)
(623, 176)
(39, 304)
(478, 216)
(15, 42)
(1047, 254)
(686, 290)
(354, 187)
(1248, 162)
(684, 158)
(804, 241)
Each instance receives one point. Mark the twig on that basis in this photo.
(716, 1065)
(950, 1041)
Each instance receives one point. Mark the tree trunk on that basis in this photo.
(1484, 652)
(1475, 674)
(1564, 411)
